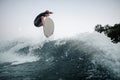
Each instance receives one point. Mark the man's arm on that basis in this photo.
(42, 20)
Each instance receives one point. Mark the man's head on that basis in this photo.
(47, 13)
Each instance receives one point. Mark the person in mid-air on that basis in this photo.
(39, 20)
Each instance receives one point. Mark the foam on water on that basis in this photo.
(101, 48)
(9, 51)
(17, 59)
(108, 53)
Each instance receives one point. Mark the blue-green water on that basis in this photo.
(90, 57)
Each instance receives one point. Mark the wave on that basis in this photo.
(90, 53)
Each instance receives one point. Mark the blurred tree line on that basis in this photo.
(111, 31)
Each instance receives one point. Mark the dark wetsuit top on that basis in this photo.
(38, 21)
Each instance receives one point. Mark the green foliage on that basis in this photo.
(111, 31)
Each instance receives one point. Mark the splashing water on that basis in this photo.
(87, 56)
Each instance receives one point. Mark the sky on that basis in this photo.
(70, 17)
